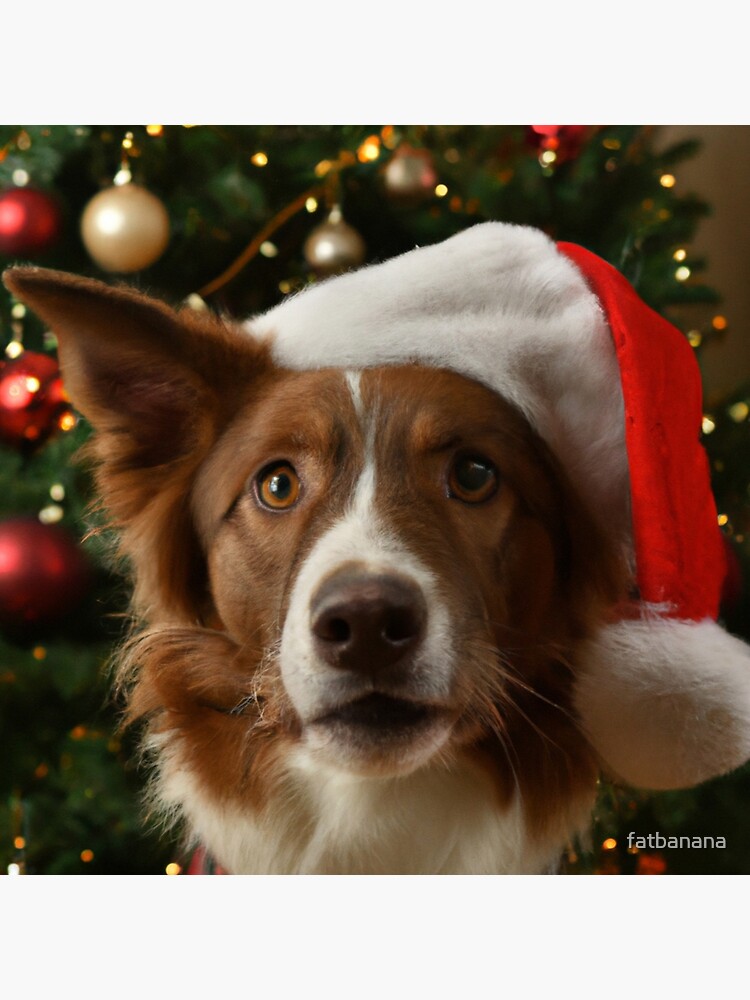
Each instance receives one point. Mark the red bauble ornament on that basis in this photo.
(564, 140)
(44, 575)
(33, 402)
(30, 222)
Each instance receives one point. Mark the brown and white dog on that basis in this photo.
(383, 564)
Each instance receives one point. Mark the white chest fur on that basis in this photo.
(438, 820)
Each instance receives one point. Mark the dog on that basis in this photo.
(393, 612)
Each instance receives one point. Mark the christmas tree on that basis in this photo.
(232, 219)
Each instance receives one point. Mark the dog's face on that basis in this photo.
(395, 541)
(368, 571)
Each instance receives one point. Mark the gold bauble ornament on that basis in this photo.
(334, 246)
(409, 176)
(125, 228)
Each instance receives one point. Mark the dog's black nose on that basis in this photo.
(367, 623)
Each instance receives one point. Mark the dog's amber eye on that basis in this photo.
(472, 479)
(278, 486)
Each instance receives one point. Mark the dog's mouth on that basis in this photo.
(381, 719)
(380, 713)
(380, 734)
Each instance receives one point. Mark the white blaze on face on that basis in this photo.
(360, 536)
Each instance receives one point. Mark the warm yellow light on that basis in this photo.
(667, 180)
(154, 129)
(19, 843)
(369, 150)
(611, 143)
(708, 425)
(679, 255)
(719, 323)
(57, 491)
(441, 190)
(548, 157)
(739, 412)
(173, 868)
(14, 349)
(682, 273)
(722, 519)
(39, 653)
(18, 311)
(33, 384)
(87, 856)
(695, 338)
(78, 732)
(322, 168)
(14, 869)
(259, 159)
(67, 422)
(609, 844)
(311, 204)
(51, 514)
(269, 249)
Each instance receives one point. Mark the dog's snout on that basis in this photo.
(367, 623)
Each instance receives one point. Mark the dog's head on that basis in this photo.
(381, 528)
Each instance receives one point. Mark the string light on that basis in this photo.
(667, 180)
(682, 273)
(369, 151)
(51, 514)
(679, 255)
(441, 190)
(739, 412)
(311, 205)
(259, 159)
(173, 868)
(708, 426)
(719, 323)
(609, 844)
(695, 338)
(154, 129)
(87, 856)
(722, 520)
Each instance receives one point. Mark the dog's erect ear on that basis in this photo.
(157, 385)
(131, 364)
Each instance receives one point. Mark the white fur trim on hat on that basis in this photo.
(666, 704)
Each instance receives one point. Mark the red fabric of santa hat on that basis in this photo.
(680, 555)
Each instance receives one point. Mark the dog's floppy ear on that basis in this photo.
(157, 385)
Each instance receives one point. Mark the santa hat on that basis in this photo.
(615, 391)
